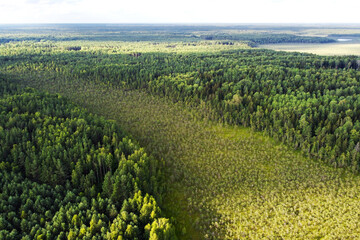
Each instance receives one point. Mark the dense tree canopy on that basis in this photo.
(67, 174)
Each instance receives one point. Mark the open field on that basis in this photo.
(328, 49)
(321, 31)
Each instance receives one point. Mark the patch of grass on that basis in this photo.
(328, 49)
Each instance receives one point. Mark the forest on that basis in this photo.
(70, 172)
(308, 102)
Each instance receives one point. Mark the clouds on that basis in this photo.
(184, 11)
(37, 11)
(50, 2)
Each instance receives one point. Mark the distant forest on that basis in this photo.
(138, 32)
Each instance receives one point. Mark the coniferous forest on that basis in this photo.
(67, 174)
(166, 132)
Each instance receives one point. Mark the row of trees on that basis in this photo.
(67, 174)
(266, 38)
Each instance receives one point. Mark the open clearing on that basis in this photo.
(328, 49)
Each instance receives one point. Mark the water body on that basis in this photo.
(344, 40)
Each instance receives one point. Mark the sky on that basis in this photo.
(183, 11)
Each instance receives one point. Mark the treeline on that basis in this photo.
(355, 35)
(267, 38)
(133, 37)
(20, 39)
(253, 39)
(68, 174)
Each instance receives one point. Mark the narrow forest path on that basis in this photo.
(227, 182)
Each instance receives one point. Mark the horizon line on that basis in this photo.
(187, 23)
